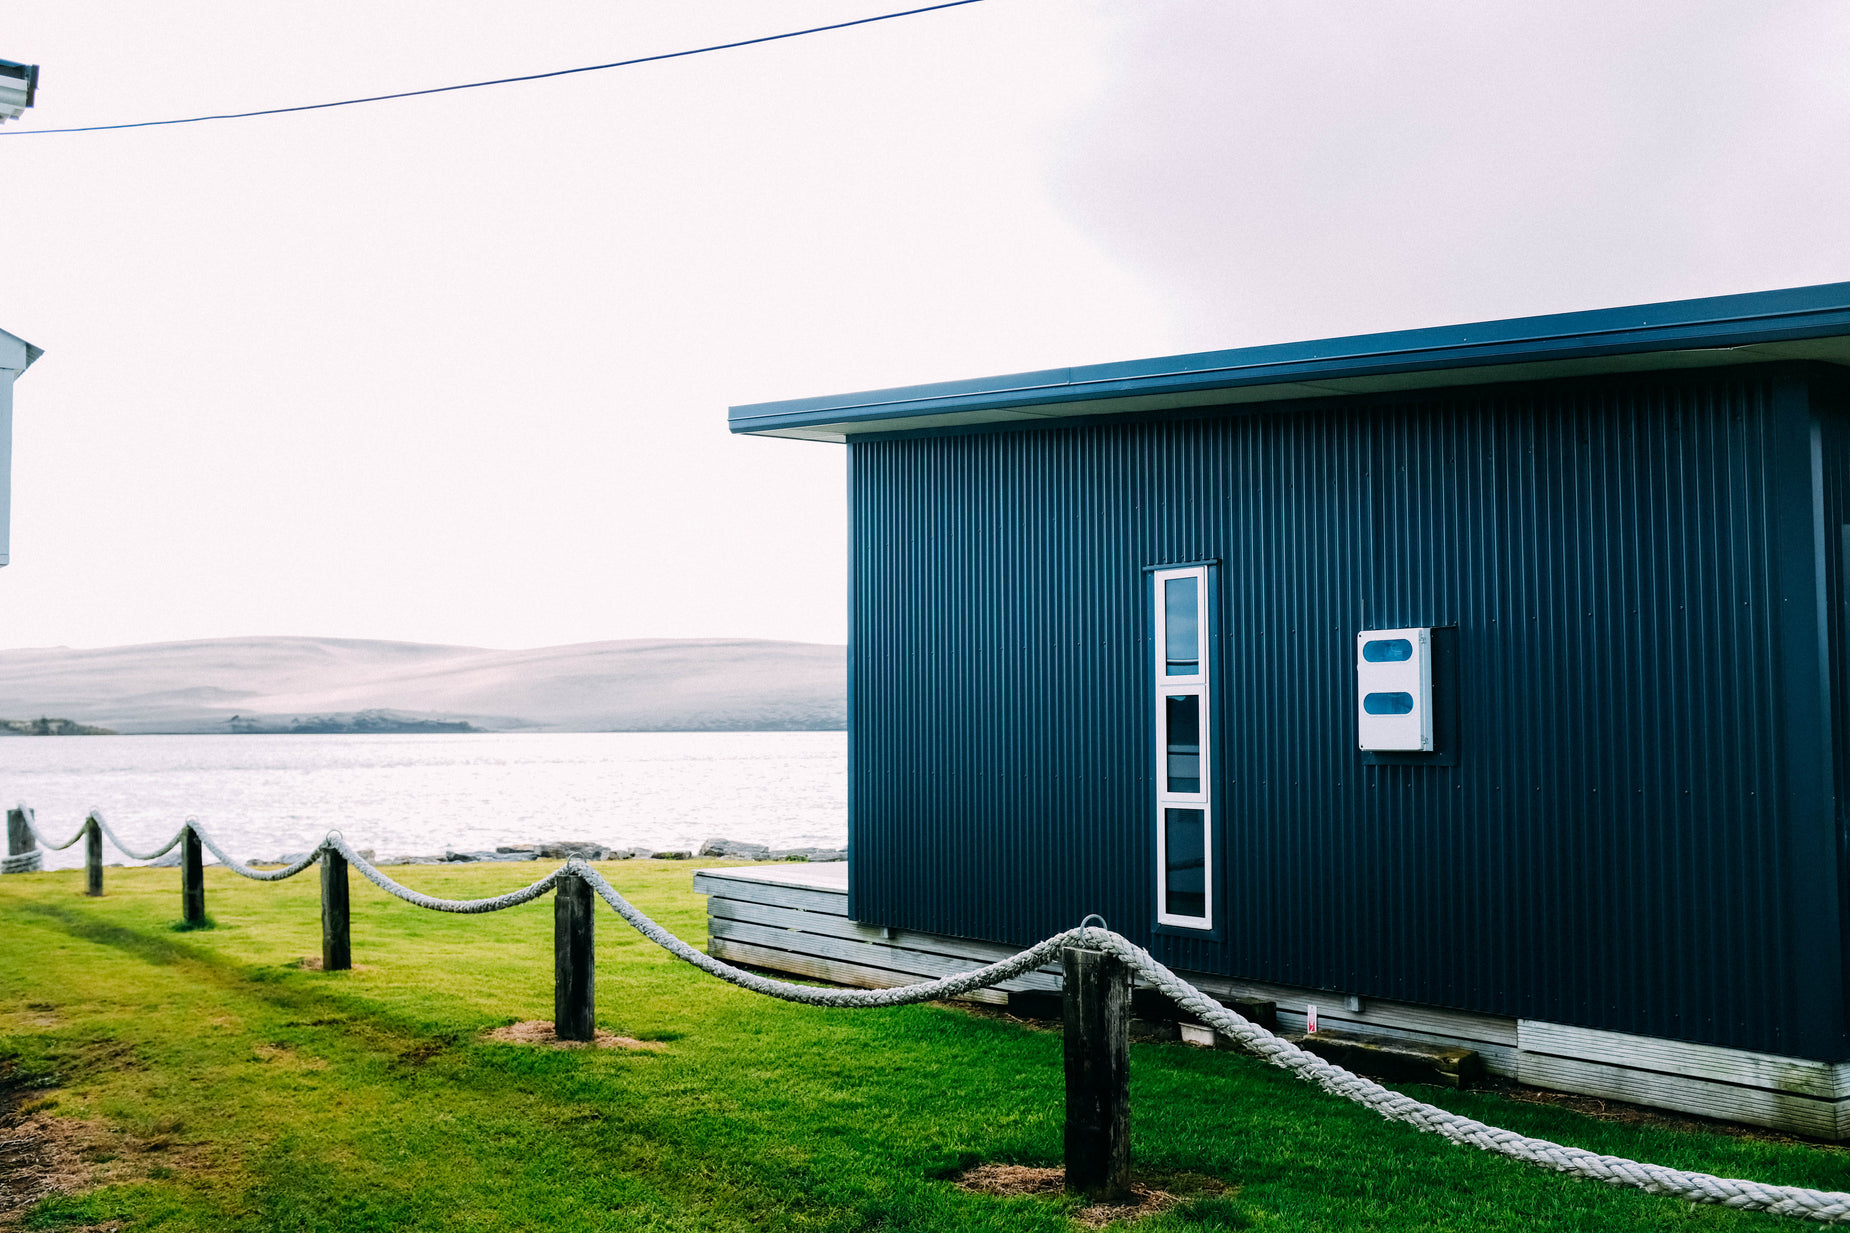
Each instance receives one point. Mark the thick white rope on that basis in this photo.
(1830, 1207)
(811, 995)
(525, 894)
(32, 825)
(230, 862)
(1826, 1206)
(97, 817)
(245, 871)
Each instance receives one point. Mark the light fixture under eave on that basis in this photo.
(19, 86)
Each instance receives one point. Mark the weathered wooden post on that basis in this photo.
(93, 857)
(336, 939)
(574, 996)
(1097, 1013)
(192, 878)
(20, 841)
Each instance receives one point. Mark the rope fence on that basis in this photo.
(1099, 966)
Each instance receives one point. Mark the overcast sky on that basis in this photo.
(455, 369)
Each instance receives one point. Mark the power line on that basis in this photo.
(499, 81)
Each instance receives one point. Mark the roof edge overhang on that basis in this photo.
(1801, 323)
(16, 353)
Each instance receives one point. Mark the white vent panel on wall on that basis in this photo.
(1393, 695)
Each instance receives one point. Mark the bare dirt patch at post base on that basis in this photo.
(1146, 1197)
(42, 1155)
(540, 1032)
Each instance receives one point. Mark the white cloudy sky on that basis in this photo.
(456, 368)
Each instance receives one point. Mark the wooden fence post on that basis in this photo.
(19, 840)
(192, 879)
(1096, 1005)
(574, 996)
(93, 858)
(336, 935)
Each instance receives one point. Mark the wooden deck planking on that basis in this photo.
(829, 875)
(777, 916)
(836, 971)
(1676, 1057)
(841, 927)
(924, 965)
(1757, 1106)
(807, 898)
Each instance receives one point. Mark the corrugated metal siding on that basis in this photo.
(1830, 399)
(1623, 843)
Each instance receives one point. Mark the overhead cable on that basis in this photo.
(499, 81)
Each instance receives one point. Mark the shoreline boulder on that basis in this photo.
(560, 849)
(735, 849)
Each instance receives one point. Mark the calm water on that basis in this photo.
(264, 795)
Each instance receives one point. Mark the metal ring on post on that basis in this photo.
(1086, 928)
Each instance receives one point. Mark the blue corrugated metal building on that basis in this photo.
(1497, 668)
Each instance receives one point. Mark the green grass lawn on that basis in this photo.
(249, 1093)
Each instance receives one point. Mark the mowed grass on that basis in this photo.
(295, 1099)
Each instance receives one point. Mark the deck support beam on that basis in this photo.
(1096, 1006)
(574, 998)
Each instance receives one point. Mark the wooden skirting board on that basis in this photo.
(1761, 1089)
(794, 918)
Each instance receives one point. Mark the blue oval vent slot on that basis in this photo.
(1387, 651)
(1388, 704)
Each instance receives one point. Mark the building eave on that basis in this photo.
(1802, 323)
(16, 353)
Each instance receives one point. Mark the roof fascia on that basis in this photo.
(1686, 333)
(16, 353)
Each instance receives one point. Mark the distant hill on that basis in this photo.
(346, 684)
(44, 725)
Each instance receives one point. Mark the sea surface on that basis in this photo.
(261, 796)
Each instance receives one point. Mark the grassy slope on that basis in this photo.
(365, 1100)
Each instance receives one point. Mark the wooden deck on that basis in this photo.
(794, 918)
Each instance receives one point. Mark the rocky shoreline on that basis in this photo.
(561, 849)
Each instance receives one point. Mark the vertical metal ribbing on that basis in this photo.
(93, 858)
(574, 1003)
(336, 930)
(192, 879)
(1617, 559)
